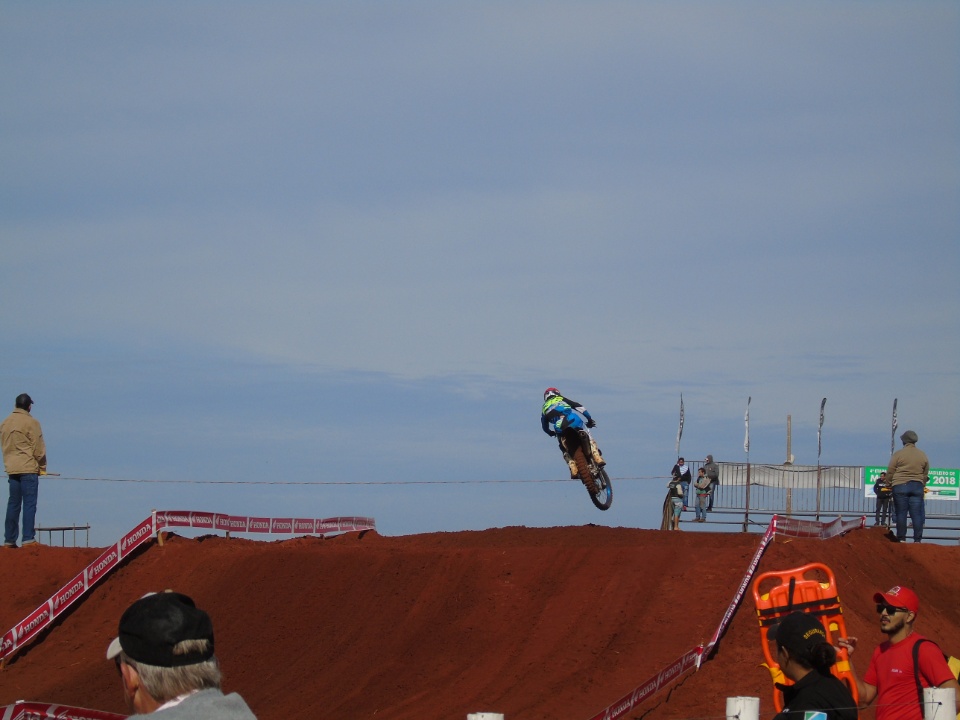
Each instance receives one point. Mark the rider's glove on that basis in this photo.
(591, 423)
(551, 433)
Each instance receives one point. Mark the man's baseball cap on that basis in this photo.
(899, 597)
(799, 633)
(154, 624)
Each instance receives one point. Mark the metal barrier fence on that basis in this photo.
(810, 491)
(63, 529)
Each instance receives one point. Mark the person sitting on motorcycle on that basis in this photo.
(559, 413)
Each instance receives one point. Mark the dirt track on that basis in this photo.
(533, 623)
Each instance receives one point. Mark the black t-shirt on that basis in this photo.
(817, 692)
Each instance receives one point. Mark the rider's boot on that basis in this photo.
(597, 458)
(574, 471)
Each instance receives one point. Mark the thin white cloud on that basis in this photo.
(635, 197)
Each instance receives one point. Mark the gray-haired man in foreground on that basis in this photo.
(164, 653)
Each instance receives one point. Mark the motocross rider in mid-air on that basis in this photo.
(560, 413)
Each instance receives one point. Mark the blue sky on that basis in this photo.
(348, 244)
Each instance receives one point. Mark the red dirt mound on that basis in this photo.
(533, 623)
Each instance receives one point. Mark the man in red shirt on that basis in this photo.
(892, 676)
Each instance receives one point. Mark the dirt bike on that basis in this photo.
(577, 445)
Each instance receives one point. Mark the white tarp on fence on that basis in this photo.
(792, 476)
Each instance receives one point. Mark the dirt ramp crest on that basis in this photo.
(533, 623)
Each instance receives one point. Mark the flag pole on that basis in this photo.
(893, 425)
(680, 429)
(819, 447)
(746, 449)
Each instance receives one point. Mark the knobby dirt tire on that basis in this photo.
(583, 470)
(603, 497)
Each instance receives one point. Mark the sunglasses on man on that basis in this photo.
(889, 609)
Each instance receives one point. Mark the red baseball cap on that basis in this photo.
(899, 596)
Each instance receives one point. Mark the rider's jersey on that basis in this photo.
(560, 412)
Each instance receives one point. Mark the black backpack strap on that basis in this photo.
(916, 670)
(916, 666)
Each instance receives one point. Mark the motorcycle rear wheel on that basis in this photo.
(603, 497)
(595, 480)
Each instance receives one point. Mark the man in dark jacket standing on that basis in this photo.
(25, 460)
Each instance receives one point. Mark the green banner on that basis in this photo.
(944, 483)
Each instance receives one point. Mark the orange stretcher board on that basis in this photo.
(810, 589)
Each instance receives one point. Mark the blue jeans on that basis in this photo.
(701, 508)
(909, 498)
(686, 493)
(23, 491)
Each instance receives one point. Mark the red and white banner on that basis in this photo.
(251, 524)
(44, 616)
(665, 677)
(744, 584)
(21, 710)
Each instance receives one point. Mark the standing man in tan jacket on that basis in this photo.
(25, 460)
(908, 473)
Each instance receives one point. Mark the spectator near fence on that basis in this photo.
(25, 460)
(702, 487)
(713, 474)
(908, 473)
(681, 473)
(672, 505)
(884, 492)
